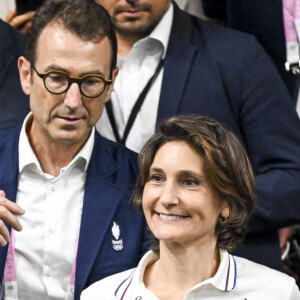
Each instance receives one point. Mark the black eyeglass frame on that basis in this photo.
(71, 80)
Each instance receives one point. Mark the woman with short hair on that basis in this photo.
(196, 188)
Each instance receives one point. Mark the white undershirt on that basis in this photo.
(135, 71)
(45, 248)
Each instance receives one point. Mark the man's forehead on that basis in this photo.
(57, 43)
(58, 33)
(55, 30)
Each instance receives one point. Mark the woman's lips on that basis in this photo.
(170, 217)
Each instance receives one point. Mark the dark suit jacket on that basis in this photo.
(14, 104)
(263, 19)
(216, 71)
(111, 175)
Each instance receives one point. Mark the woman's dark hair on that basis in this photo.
(226, 166)
(86, 18)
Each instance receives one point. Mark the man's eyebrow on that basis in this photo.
(54, 67)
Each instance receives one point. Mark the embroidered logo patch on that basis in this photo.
(116, 243)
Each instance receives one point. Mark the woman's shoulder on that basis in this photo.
(116, 285)
(105, 288)
(259, 277)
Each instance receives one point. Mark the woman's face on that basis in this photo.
(178, 200)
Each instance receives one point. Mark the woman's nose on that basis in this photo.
(169, 195)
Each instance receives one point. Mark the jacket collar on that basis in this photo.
(6, 57)
(178, 62)
(101, 199)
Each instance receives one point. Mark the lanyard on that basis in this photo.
(10, 274)
(291, 20)
(137, 106)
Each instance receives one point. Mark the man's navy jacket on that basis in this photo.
(111, 175)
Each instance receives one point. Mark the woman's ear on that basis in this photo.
(25, 74)
(225, 212)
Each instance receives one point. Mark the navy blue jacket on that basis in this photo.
(111, 175)
(263, 19)
(226, 74)
(14, 104)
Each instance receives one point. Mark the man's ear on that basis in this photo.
(113, 78)
(25, 74)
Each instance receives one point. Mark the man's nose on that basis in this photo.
(73, 96)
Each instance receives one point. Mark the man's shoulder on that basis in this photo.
(221, 38)
(117, 150)
(114, 156)
(215, 37)
(10, 135)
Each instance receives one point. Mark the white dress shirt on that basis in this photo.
(193, 7)
(135, 71)
(236, 279)
(45, 249)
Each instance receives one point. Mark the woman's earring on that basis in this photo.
(222, 219)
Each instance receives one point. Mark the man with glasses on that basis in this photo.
(71, 224)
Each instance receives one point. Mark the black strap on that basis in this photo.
(137, 106)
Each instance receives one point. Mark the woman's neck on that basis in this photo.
(179, 268)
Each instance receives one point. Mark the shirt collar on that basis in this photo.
(224, 279)
(136, 277)
(162, 30)
(27, 157)
(161, 34)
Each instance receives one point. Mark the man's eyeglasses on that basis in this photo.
(58, 82)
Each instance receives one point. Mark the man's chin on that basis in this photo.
(134, 27)
(69, 136)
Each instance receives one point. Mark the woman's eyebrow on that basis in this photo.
(155, 169)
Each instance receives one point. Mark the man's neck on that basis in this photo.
(126, 41)
(52, 155)
(125, 44)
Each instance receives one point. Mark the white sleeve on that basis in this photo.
(295, 294)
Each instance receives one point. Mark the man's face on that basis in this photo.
(69, 117)
(135, 17)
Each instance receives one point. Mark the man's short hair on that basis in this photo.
(226, 166)
(85, 18)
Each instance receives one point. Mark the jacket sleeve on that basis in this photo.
(271, 130)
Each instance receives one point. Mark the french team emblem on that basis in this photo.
(117, 243)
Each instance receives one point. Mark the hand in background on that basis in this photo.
(7, 211)
(21, 22)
